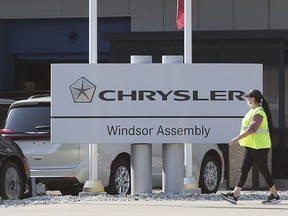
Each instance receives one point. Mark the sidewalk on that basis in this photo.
(141, 208)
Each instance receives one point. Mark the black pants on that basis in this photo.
(260, 157)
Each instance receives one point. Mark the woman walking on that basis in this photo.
(255, 138)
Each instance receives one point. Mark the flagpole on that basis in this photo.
(187, 31)
(190, 183)
(93, 185)
(93, 59)
(93, 49)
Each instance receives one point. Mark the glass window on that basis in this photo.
(28, 118)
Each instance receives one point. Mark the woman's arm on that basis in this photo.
(252, 128)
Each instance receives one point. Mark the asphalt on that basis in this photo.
(139, 208)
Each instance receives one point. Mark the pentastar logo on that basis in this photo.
(82, 91)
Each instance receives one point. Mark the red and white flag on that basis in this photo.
(180, 14)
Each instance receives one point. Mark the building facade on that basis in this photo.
(36, 33)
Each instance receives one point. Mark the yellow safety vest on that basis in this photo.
(261, 138)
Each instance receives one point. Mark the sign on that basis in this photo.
(150, 103)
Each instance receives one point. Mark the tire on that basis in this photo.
(210, 175)
(120, 178)
(11, 181)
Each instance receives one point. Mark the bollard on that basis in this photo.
(141, 168)
(173, 167)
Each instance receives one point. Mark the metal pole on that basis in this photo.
(187, 31)
(190, 183)
(93, 59)
(93, 185)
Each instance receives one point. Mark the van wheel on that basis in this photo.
(120, 178)
(11, 182)
(210, 175)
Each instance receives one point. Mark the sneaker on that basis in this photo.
(272, 200)
(230, 197)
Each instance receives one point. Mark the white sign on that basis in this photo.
(150, 103)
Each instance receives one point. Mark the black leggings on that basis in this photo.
(260, 157)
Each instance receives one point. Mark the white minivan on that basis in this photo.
(64, 167)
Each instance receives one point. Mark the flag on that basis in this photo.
(180, 14)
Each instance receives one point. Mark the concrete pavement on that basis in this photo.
(141, 208)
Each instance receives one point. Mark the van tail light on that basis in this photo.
(6, 131)
(11, 135)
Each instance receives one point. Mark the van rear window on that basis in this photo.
(28, 118)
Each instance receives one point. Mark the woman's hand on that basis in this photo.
(241, 136)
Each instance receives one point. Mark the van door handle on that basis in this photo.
(37, 158)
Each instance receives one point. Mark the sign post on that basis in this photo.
(141, 153)
(172, 153)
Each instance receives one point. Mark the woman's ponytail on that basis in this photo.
(268, 114)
